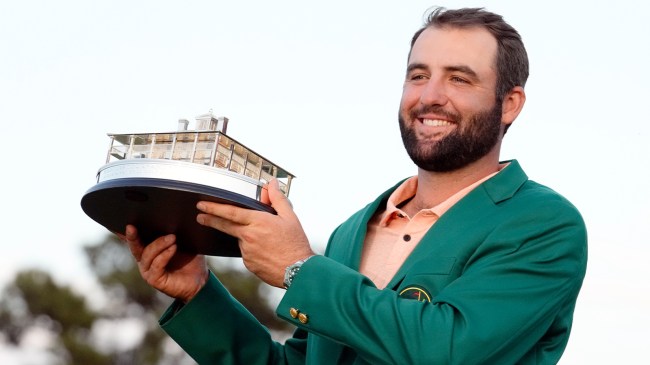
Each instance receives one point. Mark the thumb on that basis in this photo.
(278, 200)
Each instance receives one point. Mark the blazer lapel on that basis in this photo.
(351, 254)
(460, 218)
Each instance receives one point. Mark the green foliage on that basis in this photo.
(79, 351)
(43, 296)
(118, 274)
(34, 299)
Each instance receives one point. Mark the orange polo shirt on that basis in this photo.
(392, 235)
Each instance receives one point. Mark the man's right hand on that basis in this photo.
(177, 274)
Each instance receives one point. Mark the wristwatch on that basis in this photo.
(292, 270)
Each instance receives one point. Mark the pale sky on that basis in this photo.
(315, 86)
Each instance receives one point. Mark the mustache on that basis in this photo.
(433, 109)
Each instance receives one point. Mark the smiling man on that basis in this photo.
(449, 116)
(467, 262)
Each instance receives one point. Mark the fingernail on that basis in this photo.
(200, 206)
(170, 238)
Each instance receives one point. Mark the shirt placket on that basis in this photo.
(407, 236)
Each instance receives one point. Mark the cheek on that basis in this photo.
(410, 98)
(468, 103)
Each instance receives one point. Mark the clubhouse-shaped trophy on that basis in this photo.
(155, 180)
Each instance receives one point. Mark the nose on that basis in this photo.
(433, 93)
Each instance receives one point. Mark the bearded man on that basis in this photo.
(467, 262)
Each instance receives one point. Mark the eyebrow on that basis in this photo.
(455, 68)
(464, 69)
(416, 66)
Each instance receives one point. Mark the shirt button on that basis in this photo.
(303, 318)
(407, 237)
(293, 312)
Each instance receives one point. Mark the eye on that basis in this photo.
(458, 79)
(417, 77)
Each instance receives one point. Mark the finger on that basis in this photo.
(158, 266)
(226, 212)
(133, 241)
(264, 196)
(153, 250)
(278, 200)
(219, 224)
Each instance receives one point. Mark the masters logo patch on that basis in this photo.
(417, 293)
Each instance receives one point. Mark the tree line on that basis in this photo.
(34, 300)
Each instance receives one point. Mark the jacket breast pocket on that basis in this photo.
(426, 278)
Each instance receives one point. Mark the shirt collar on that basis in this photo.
(407, 190)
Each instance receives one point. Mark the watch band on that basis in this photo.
(292, 270)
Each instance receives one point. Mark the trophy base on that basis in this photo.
(157, 207)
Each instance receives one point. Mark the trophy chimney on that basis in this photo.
(182, 125)
(223, 121)
(206, 122)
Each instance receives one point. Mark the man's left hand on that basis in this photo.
(268, 242)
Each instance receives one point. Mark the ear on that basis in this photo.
(512, 104)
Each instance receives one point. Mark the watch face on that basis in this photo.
(290, 273)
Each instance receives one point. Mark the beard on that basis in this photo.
(472, 139)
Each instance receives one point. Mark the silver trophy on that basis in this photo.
(154, 180)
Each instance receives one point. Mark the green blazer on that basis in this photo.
(494, 281)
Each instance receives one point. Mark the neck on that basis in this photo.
(436, 187)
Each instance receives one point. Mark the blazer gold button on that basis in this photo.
(293, 312)
(303, 318)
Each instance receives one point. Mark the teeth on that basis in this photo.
(435, 122)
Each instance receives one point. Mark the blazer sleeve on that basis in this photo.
(520, 282)
(213, 328)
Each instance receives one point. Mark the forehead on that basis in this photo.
(442, 47)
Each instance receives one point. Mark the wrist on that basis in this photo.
(200, 282)
(292, 270)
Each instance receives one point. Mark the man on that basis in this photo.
(468, 262)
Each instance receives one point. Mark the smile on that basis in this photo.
(435, 122)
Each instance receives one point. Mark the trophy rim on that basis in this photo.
(158, 207)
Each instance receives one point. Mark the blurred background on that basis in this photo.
(314, 87)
